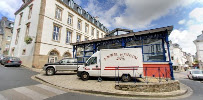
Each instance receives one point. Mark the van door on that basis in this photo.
(93, 66)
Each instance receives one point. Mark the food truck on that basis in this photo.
(113, 63)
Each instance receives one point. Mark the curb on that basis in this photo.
(146, 95)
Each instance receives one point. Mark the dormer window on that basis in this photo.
(79, 10)
(98, 23)
(70, 3)
(87, 15)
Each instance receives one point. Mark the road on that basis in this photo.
(195, 85)
(16, 84)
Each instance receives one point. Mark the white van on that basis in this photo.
(125, 63)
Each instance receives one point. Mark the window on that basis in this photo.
(7, 46)
(27, 29)
(56, 33)
(158, 48)
(79, 24)
(9, 38)
(30, 12)
(21, 15)
(24, 52)
(78, 37)
(70, 19)
(152, 49)
(86, 38)
(58, 14)
(86, 28)
(17, 36)
(92, 31)
(97, 34)
(91, 61)
(69, 36)
(102, 35)
(172, 58)
(79, 10)
(70, 3)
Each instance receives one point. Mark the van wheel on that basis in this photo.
(125, 78)
(84, 76)
(50, 71)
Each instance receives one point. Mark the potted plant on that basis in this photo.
(28, 40)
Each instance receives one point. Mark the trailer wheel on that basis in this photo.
(84, 76)
(125, 77)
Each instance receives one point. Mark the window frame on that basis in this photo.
(30, 11)
(79, 27)
(78, 34)
(71, 20)
(17, 36)
(20, 20)
(27, 29)
(58, 8)
(59, 33)
(70, 36)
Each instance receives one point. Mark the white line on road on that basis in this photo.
(57, 91)
(2, 97)
(30, 93)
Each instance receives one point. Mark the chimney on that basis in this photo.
(4, 18)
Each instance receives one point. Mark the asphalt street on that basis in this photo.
(195, 85)
(16, 82)
(12, 77)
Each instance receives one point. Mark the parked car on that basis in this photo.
(11, 61)
(66, 64)
(195, 74)
(1, 58)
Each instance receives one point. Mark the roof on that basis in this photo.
(119, 29)
(200, 37)
(151, 31)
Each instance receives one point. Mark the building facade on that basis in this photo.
(6, 29)
(199, 47)
(43, 30)
(179, 58)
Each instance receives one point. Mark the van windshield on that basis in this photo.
(92, 60)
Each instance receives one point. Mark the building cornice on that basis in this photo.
(23, 7)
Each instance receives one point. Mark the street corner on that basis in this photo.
(72, 82)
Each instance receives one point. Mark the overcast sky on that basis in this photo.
(185, 15)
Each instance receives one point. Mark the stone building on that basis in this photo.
(199, 47)
(6, 29)
(43, 30)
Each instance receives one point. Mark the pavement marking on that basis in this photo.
(57, 91)
(2, 97)
(30, 93)
(42, 91)
(11, 94)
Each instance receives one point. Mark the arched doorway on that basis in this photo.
(67, 55)
(53, 56)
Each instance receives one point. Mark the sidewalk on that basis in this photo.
(72, 82)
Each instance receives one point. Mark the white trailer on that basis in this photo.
(125, 63)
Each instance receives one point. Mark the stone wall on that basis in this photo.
(150, 87)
